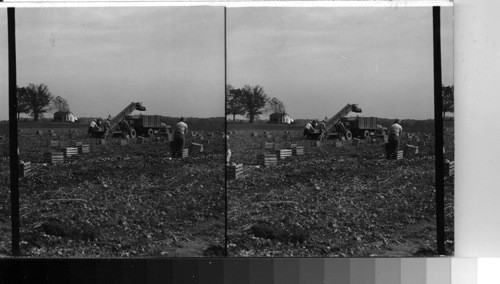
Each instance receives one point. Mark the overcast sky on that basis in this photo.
(316, 60)
(100, 59)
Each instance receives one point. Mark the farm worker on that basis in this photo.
(395, 133)
(92, 127)
(340, 128)
(228, 151)
(308, 129)
(99, 123)
(125, 128)
(163, 128)
(107, 126)
(322, 129)
(180, 130)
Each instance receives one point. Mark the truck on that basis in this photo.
(363, 127)
(147, 125)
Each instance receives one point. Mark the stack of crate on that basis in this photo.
(298, 151)
(70, 151)
(410, 151)
(195, 149)
(84, 148)
(234, 172)
(283, 153)
(290, 145)
(24, 169)
(449, 168)
(267, 159)
(185, 153)
(54, 157)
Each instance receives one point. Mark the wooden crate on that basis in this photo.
(267, 159)
(51, 143)
(39, 132)
(410, 151)
(24, 169)
(400, 155)
(185, 152)
(356, 142)
(254, 134)
(449, 168)
(123, 142)
(100, 141)
(234, 172)
(339, 144)
(140, 140)
(70, 151)
(54, 157)
(269, 137)
(53, 134)
(268, 146)
(287, 137)
(315, 143)
(84, 149)
(74, 143)
(290, 145)
(195, 149)
(283, 153)
(298, 151)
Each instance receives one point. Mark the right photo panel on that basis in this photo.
(330, 115)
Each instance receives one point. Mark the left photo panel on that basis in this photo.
(121, 123)
(5, 230)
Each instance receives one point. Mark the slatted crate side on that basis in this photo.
(52, 143)
(234, 171)
(195, 149)
(54, 157)
(185, 152)
(140, 140)
(316, 143)
(70, 151)
(267, 145)
(24, 169)
(410, 150)
(267, 159)
(298, 151)
(400, 155)
(290, 145)
(74, 143)
(84, 148)
(356, 142)
(100, 141)
(449, 168)
(283, 153)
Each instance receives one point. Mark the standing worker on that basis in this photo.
(228, 151)
(107, 127)
(322, 130)
(180, 130)
(395, 133)
(125, 128)
(340, 128)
